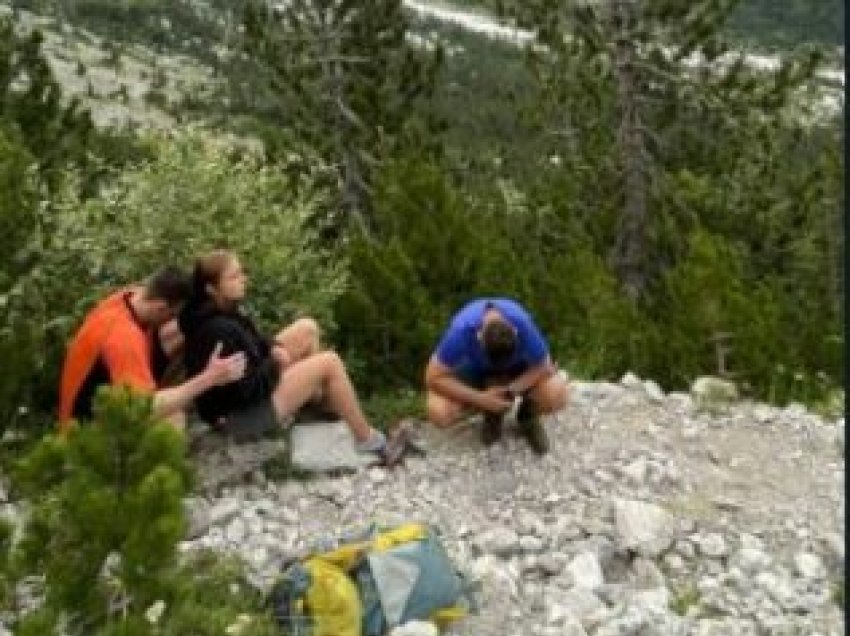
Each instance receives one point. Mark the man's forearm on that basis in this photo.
(452, 388)
(178, 398)
(532, 377)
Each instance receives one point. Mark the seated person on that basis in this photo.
(491, 353)
(286, 371)
(118, 343)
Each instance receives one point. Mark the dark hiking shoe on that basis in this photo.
(400, 441)
(491, 431)
(532, 429)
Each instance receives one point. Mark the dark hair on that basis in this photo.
(170, 284)
(499, 341)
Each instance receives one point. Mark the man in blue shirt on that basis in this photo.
(492, 353)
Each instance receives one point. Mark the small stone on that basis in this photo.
(631, 381)
(685, 548)
(809, 566)
(752, 560)
(725, 627)
(235, 532)
(794, 411)
(711, 545)
(550, 565)
(636, 471)
(377, 475)
(643, 527)
(500, 541)
(646, 575)
(764, 414)
(581, 603)
(653, 391)
(674, 562)
(531, 544)
(415, 628)
(586, 571)
(711, 390)
(224, 510)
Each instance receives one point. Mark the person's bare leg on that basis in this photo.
(551, 394)
(301, 339)
(441, 411)
(326, 372)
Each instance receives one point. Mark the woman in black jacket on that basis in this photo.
(287, 370)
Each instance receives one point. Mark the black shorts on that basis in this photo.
(250, 422)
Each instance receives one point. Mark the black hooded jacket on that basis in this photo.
(204, 325)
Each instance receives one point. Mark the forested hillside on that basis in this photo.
(451, 165)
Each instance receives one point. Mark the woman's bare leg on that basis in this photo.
(323, 372)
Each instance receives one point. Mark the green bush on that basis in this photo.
(107, 513)
(21, 336)
(706, 294)
(107, 509)
(437, 248)
(197, 194)
(193, 195)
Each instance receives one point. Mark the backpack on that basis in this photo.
(369, 585)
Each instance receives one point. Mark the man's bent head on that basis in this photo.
(498, 338)
(165, 293)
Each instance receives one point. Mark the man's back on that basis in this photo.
(111, 346)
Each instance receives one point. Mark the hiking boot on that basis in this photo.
(491, 432)
(531, 428)
(398, 443)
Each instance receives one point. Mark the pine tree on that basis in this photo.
(106, 516)
(107, 511)
(349, 82)
(637, 90)
(56, 131)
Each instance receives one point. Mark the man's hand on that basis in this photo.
(223, 370)
(495, 399)
(171, 338)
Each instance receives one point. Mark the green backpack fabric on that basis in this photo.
(367, 586)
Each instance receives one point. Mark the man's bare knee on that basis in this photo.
(440, 412)
(440, 417)
(552, 395)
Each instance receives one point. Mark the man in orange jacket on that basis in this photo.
(117, 343)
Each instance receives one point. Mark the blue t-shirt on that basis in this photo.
(461, 350)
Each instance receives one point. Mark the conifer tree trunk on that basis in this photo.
(630, 249)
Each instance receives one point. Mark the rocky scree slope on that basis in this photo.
(652, 514)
